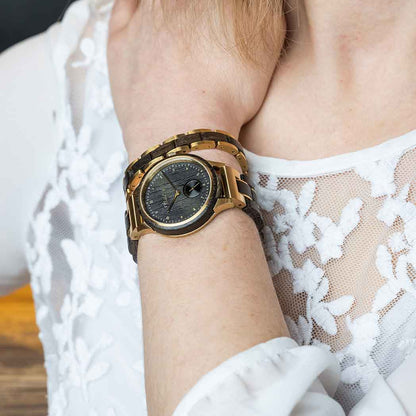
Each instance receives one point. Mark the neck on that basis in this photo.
(346, 81)
(346, 25)
(350, 35)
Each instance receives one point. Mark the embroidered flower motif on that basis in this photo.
(300, 242)
(58, 401)
(71, 259)
(82, 214)
(295, 220)
(74, 158)
(364, 331)
(394, 207)
(380, 174)
(41, 264)
(397, 242)
(307, 279)
(333, 235)
(87, 47)
(266, 195)
(300, 331)
(397, 276)
(400, 244)
(297, 227)
(392, 287)
(299, 224)
(311, 280)
(77, 364)
(278, 254)
(83, 269)
(99, 98)
(86, 370)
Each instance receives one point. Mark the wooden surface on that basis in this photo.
(22, 375)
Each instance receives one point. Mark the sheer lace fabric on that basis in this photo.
(341, 249)
(340, 242)
(84, 282)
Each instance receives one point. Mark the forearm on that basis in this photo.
(205, 297)
(209, 295)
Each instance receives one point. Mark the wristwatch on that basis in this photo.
(173, 193)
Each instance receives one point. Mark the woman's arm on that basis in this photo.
(28, 142)
(207, 296)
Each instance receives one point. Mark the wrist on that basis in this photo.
(142, 134)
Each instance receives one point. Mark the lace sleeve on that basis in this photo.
(28, 144)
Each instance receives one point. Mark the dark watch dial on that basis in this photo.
(177, 191)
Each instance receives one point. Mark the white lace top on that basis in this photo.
(340, 242)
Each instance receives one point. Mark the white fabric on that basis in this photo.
(340, 241)
(268, 380)
(28, 146)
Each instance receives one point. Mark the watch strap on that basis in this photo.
(132, 245)
(193, 140)
(251, 208)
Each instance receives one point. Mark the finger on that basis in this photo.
(123, 11)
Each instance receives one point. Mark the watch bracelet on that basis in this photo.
(193, 140)
(183, 143)
(252, 209)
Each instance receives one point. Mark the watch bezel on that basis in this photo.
(196, 221)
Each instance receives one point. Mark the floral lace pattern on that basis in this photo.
(81, 271)
(305, 247)
(343, 263)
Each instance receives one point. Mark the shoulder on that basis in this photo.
(28, 140)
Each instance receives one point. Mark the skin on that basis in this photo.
(327, 96)
(347, 81)
(207, 296)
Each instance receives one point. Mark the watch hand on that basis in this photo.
(190, 190)
(173, 200)
(170, 182)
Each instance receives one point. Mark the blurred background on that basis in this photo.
(22, 374)
(20, 19)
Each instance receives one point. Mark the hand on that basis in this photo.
(163, 85)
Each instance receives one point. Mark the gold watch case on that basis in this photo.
(223, 194)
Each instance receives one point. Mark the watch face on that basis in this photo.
(176, 193)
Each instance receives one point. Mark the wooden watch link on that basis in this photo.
(173, 193)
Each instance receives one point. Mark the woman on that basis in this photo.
(336, 193)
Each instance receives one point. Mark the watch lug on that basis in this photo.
(140, 231)
(137, 226)
(222, 204)
(231, 197)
